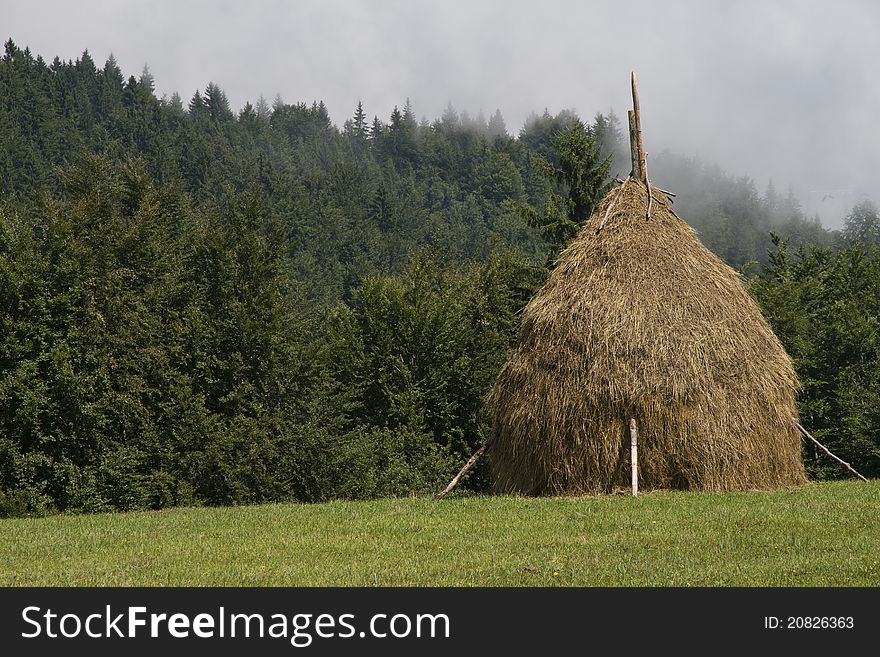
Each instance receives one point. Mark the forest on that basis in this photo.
(202, 306)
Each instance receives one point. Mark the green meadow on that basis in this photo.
(821, 534)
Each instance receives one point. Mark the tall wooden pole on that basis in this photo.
(633, 145)
(634, 455)
(640, 159)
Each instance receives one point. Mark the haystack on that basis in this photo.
(640, 320)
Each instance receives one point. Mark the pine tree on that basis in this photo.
(176, 103)
(790, 206)
(376, 130)
(360, 122)
(217, 103)
(771, 200)
(606, 130)
(409, 116)
(449, 121)
(356, 129)
(277, 103)
(496, 126)
(111, 86)
(862, 225)
(9, 51)
(396, 120)
(401, 137)
(247, 115)
(262, 109)
(146, 81)
(85, 65)
(112, 73)
(582, 174)
(480, 125)
(197, 107)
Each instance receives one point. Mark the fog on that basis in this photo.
(777, 90)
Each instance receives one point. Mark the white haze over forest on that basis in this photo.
(784, 90)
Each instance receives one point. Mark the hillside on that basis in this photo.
(202, 305)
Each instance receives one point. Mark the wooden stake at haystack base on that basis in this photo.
(826, 450)
(634, 455)
(461, 473)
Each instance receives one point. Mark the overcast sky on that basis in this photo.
(773, 89)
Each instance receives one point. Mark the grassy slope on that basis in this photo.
(819, 534)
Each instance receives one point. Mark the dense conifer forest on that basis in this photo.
(208, 305)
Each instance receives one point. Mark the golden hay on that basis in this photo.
(641, 320)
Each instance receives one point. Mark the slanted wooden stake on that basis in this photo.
(611, 204)
(826, 450)
(634, 455)
(461, 473)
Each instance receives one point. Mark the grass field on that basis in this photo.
(824, 534)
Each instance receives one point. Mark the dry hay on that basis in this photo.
(641, 320)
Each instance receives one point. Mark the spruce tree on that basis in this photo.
(217, 103)
(146, 80)
(360, 122)
(496, 126)
(197, 105)
(262, 109)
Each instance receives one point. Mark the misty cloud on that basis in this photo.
(783, 90)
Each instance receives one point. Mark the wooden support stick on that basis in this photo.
(640, 167)
(634, 455)
(826, 450)
(461, 473)
(665, 191)
(671, 195)
(611, 205)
